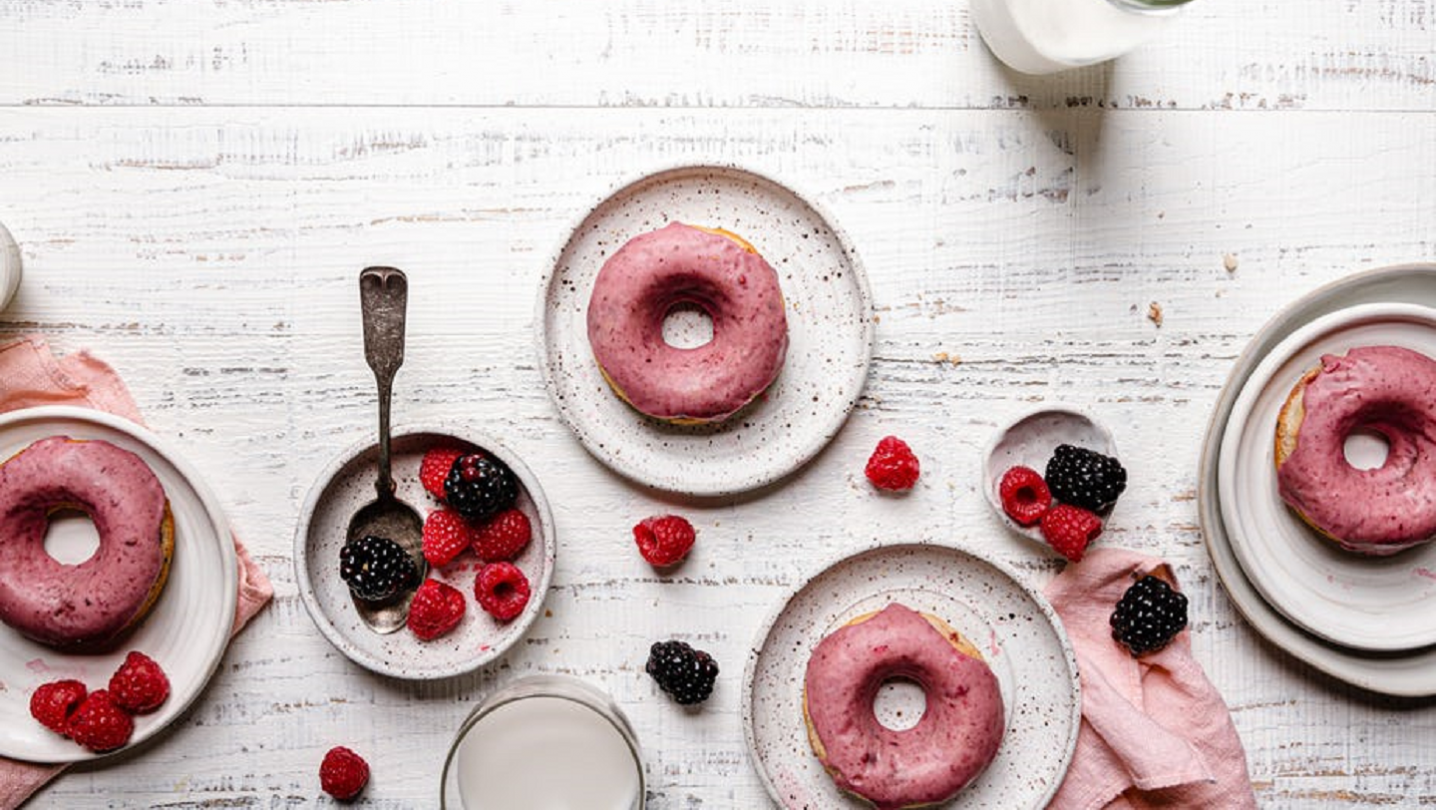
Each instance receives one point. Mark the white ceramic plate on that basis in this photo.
(347, 485)
(1029, 442)
(830, 334)
(187, 631)
(1363, 602)
(1412, 674)
(1013, 626)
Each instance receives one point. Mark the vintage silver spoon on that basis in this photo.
(383, 297)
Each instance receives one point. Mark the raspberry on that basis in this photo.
(502, 590)
(436, 609)
(54, 703)
(1025, 497)
(892, 465)
(479, 485)
(446, 533)
(503, 536)
(684, 673)
(435, 468)
(1069, 529)
(1149, 615)
(1085, 478)
(376, 568)
(99, 724)
(139, 685)
(343, 773)
(664, 540)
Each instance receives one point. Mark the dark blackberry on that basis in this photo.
(1085, 478)
(686, 674)
(376, 568)
(479, 486)
(1149, 615)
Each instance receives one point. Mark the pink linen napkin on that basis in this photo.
(31, 375)
(1155, 732)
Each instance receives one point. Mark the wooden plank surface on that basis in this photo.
(1267, 54)
(194, 187)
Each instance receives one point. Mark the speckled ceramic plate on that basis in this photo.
(1408, 674)
(187, 631)
(347, 485)
(1029, 442)
(829, 331)
(1013, 625)
(1367, 603)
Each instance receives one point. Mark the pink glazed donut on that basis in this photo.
(1385, 389)
(93, 602)
(954, 741)
(709, 268)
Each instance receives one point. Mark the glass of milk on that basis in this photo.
(545, 742)
(1045, 36)
(9, 267)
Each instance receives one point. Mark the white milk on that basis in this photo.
(1045, 36)
(546, 753)
(9, 267)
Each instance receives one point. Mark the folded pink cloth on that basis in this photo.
(30, 375)
(1155, 732)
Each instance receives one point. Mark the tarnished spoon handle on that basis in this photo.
(384, 298)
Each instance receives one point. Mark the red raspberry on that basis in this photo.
(53, 703)
(502, 590)
(435, 467)
(99, 724)
(1069, 529)
(503, 536)
(664, 540)
(892, 465)
(1025, 497)
(343, 773)
(436, 609)
(446, 533)
(139, 685)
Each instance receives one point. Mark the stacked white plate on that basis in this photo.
(1370, 621)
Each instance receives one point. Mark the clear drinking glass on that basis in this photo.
(546, 741)
(1045, 36)
(9, 266)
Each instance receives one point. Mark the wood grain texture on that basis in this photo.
(195, 186)
(1268, 54)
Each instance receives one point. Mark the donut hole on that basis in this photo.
(71, 537)
(1366, 449)
(899, 703)
(687, 325)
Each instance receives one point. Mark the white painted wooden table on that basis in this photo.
(196, 183)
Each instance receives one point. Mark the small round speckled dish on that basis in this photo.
(346, 485)
(1029, 442)
(830, 334)
(187, 630)
(1383, 604)
(1013, 625)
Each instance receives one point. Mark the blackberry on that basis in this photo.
(684, 673)
(376, 568)
(479, 486)
(1085, 478)
(1149, 615)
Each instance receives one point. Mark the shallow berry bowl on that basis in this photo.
(1029, 442)
(348, 484)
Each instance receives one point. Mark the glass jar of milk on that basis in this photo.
(9, 267)
(1045, 36)
(549, 742)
